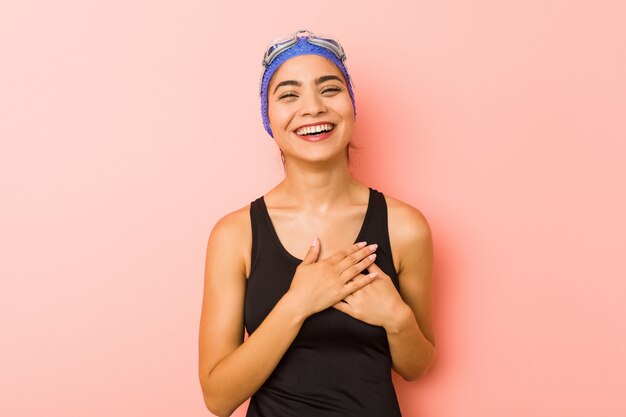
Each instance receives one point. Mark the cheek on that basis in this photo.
(347, 110)
(278, 115)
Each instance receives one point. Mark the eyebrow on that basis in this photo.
(320, 80)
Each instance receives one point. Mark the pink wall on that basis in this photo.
(129, 127)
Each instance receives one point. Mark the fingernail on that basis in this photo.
(372, 256)
(372, 274)
(373, 246)
(314, 243)
(361, 244)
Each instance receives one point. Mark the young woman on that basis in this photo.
(330, 277)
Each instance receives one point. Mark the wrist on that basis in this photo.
(402, 318)
(292, 308)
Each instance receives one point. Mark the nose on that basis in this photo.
(312, 104)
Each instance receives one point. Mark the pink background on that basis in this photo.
(129, 127)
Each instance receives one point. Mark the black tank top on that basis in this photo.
(337, 366)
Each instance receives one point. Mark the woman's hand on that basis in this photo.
(318, 285)
(378, 304)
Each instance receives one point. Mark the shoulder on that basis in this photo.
(232, 226)
(231, 237)
(409, 231)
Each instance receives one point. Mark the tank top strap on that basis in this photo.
(378, 232)
(260, 229)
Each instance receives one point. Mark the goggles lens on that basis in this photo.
(283, 44)
(276, 48)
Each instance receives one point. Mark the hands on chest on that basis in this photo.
(376, 303)
(337, 281)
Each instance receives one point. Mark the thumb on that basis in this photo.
(313, 253)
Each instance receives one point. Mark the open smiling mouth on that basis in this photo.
(317, 131)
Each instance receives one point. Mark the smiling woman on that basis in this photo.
(288, 90)
(310, 86)
(329, 319)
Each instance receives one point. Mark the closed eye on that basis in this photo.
(325, 90)
(331, 89)
(286, 95)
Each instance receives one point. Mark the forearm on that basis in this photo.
(411, 352)
(235, 378)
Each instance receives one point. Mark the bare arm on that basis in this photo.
(411, 338)
(230, 370)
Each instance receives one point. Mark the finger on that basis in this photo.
(354, 257)
(349, 271)
(339, 255)
(375, 268)
(358, 282)
(313, 253)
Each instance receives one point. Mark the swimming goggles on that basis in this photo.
(282, 44)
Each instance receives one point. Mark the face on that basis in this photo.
(309, 109)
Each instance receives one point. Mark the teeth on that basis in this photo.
(310, 130)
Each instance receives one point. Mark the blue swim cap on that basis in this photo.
(302, 47)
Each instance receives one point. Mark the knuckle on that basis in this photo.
(365, 263)
(363, 281)
(355, 269)
(354, 285)
(356, 257)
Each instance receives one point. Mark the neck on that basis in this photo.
(318, 187)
